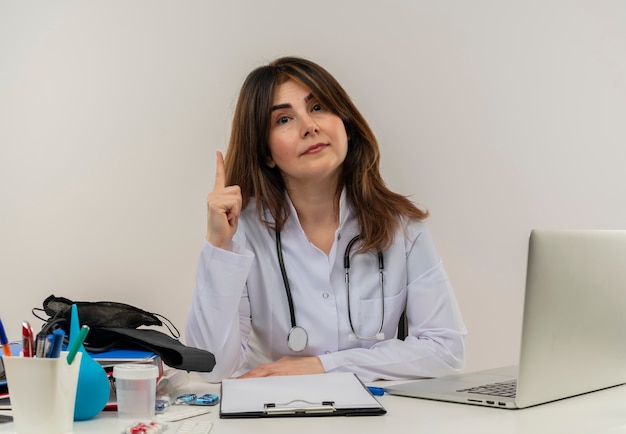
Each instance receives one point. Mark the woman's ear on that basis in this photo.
(270, 163)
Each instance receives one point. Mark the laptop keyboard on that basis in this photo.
(506, 389)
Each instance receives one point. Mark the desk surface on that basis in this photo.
(599, 412)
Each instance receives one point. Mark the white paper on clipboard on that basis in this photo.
(326, 394)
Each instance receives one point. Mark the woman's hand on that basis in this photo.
(287, 366)
(224, 207)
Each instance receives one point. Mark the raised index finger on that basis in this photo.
(220, 172)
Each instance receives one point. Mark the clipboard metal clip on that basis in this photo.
(300, 406)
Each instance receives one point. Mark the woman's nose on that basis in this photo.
(309, 127)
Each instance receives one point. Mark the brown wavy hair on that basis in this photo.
(248, 153)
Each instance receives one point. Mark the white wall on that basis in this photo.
(497, 116)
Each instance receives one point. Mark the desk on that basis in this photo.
(597, 413)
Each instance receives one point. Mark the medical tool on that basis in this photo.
(297, 337)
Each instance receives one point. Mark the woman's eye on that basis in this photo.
(282, 120)
(317, 107)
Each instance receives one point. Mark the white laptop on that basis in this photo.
(573, 332)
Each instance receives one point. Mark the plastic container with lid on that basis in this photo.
(135, 385)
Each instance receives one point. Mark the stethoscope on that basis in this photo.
(298, 337)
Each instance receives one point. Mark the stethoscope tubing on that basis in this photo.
(297, 337)
(283, 271)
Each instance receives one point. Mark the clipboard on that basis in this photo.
(332, 394)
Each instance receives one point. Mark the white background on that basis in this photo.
(497, 116)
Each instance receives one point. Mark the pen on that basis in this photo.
(28, 340)
(40, 345)
(57, 340)
(376, 391)
(77, 343)
(6, 349)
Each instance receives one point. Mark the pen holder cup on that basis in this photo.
(42, 392)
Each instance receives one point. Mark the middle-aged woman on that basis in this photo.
(309, 259)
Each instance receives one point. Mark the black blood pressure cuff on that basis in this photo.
(173, 353)
(114, 325)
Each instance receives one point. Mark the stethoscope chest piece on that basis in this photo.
(297, 339)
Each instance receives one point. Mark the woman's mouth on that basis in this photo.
(315, 148)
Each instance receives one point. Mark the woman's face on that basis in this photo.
(307, 142)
